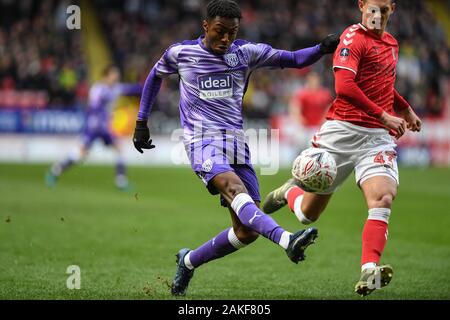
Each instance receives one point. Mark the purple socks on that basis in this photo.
(223, 244)
(252, 217)
(227, 242)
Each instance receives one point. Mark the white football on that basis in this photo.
(315, 169)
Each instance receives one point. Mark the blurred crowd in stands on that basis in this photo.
(39, 55)
(37, 51)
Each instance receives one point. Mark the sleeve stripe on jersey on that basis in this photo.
(348, 37)
(334, 67)
(347, 42)
(354, 28)
(362, 26)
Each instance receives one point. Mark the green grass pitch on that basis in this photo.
(125, 243)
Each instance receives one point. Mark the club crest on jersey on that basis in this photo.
(207, 165)
(344, 54)
(231, 59)
(215, 86)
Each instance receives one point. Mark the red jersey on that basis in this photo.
(373, 59)
(314, 105)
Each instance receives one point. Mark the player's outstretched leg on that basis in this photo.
(235, 193)
(121, 179)
(306, 206)
(252, 217)
(221, 245)
(57, 169)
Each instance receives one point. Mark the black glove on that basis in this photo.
(329, 44)
(141, 138)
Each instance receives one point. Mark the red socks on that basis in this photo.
(374, 237)
(292, 195)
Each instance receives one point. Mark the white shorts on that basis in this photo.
(370, 151)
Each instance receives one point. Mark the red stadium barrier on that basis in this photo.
(26, 99)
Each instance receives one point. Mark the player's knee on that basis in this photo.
(233, 189)
(229, 186)
(383, 201)
(246, 235)
(77, 155)
(386, 200)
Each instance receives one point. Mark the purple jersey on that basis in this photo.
(212, 86)
(100, 105)
(101, 102)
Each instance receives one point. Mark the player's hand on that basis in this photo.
(141, 138)
(396, 124)
(329, 44)
(412, 120)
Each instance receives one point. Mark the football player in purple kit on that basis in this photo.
(102, 96)
(213, 75)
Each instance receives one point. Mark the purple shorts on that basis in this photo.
(89, 136)
(96, 127)
(211, 161)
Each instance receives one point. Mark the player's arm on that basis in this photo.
(262, 55)
(130, 89)
(308, 56)
(141, 138)
(149, 93)
(405, 111)
(167, 65)
(347, 89)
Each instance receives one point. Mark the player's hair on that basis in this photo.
(108, 68)
(392, 1)
(224, 9)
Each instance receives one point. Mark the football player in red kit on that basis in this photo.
(366, 116)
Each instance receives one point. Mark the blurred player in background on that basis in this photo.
(102, 96)
(214, 71)
(308, 107)
(367, 112)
